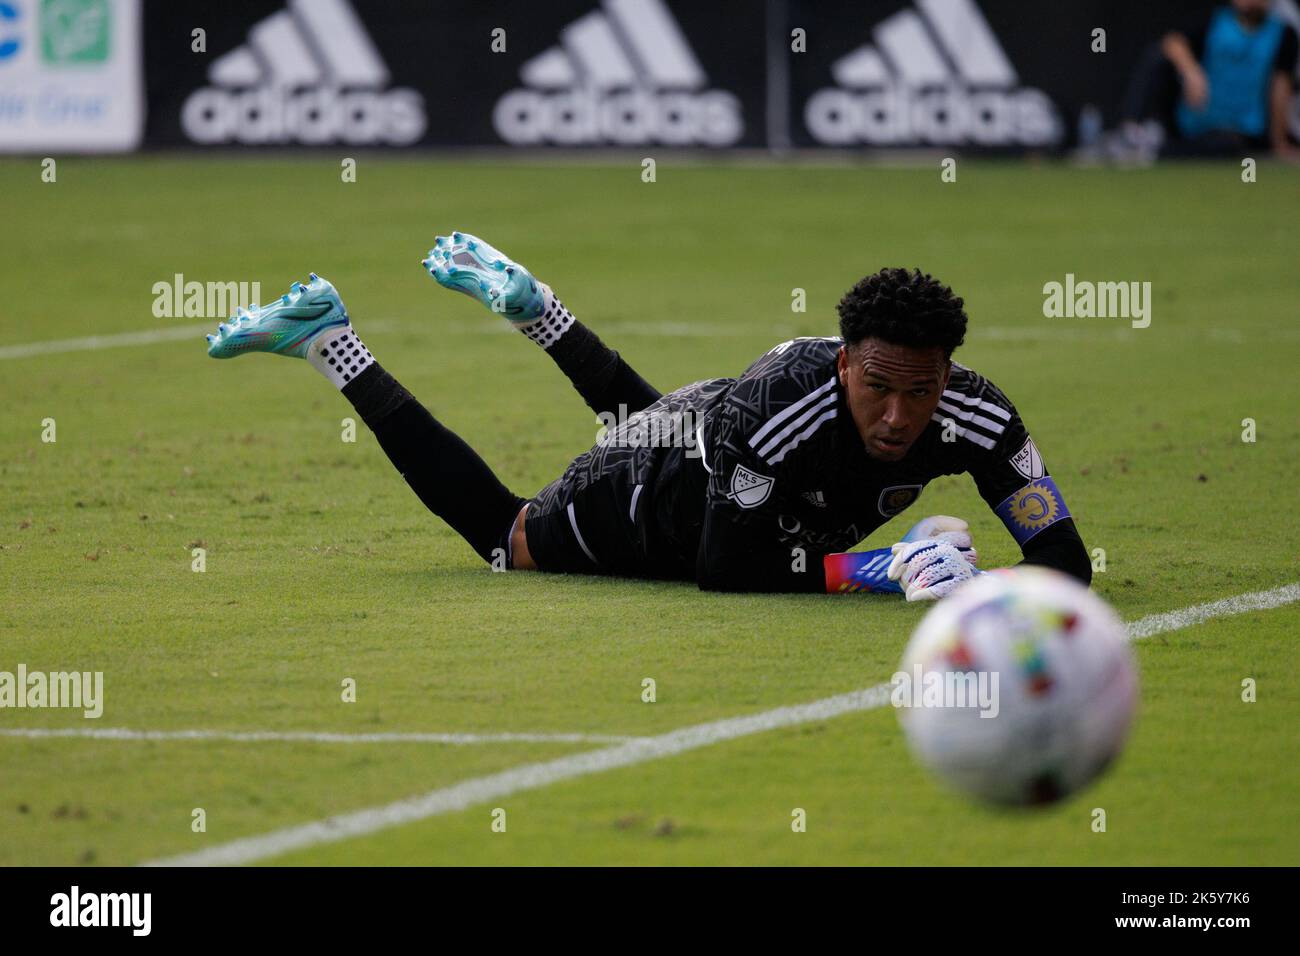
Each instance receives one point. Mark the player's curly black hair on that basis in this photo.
(905, 308)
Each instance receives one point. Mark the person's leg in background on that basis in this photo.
(1148, 119)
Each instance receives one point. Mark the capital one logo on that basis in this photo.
(308, 74)
(621, 75)
(934, 75)
(10, 39)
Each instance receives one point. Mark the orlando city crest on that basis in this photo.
(895, 499)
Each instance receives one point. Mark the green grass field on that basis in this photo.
(321, 564)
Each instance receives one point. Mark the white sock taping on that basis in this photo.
(339, 355)
(547, 328)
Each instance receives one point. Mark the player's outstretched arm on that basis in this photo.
(928, 562)
(1060, 547)
(1036, 515)
(1015, 482)
(933, 558)
(732, 557)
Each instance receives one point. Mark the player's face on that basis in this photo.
(892, 391)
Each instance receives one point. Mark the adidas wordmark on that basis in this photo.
(308, 74)
(935, 76)
(621, 75)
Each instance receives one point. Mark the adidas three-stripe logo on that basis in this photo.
(622, 74)
(785, 430)
(972, 418)
(308, 74)
(934, 74)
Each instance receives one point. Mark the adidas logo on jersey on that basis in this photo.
(308, 74)
(938, 77)
(621, 75)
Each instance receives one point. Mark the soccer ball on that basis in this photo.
(1019, 688)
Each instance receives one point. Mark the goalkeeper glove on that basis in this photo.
(929, 569)
(853, 571)
(945, 528)
(934, 558)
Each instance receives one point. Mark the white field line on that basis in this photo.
(532, 776)
(1186, 617)
(322, 737)
(93, 343)
(661, 328)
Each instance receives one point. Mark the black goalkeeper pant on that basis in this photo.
(448, 475)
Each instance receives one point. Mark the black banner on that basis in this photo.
(928, 906)
(967, 74)
(570, 73)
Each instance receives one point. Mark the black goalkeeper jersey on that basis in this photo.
(747, 483)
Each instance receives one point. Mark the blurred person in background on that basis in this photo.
(1218, 88)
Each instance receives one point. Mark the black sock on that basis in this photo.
(599, 373)
(447, 475)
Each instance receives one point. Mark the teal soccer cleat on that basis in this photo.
(287, 326)
(467, 264)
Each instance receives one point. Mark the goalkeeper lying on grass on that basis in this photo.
(776, 474)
